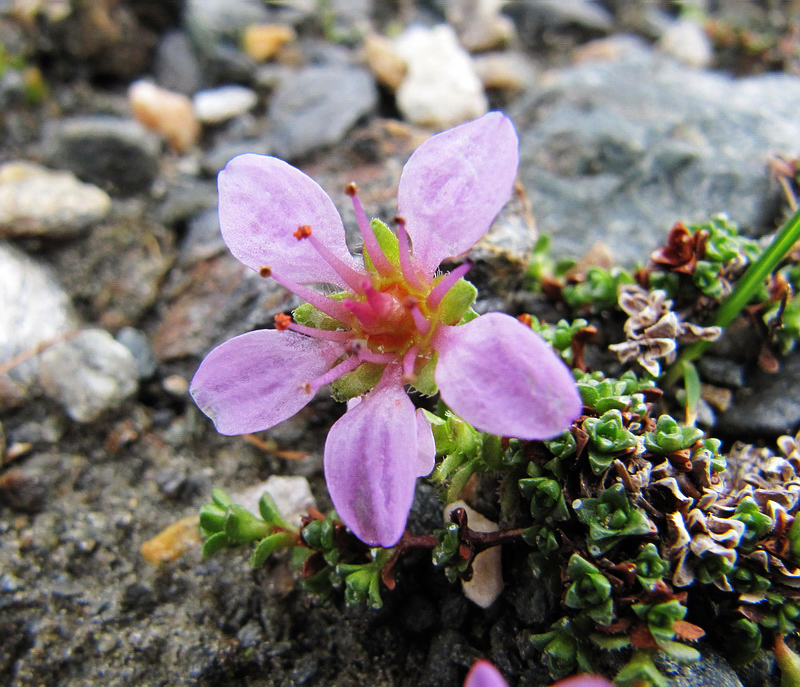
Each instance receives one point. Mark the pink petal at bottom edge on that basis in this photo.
(484, 674)
(503, 378)
(254, 381)
(371, 465)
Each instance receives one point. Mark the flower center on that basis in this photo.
(389, 312)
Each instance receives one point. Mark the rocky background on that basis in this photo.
(116, 115)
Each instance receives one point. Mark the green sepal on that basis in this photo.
(216, 542)
(267, 546)
(388, 243)
(307, 315)
(425, 383)
(357, 382)
(457, 302)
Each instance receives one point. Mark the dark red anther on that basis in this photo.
(265, 271)
(282, 322)
(303, 232)
(351, 189)
(399, 220)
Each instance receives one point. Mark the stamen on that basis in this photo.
(379, 260)
(337, 336)
(406, 262)
(371, 357)
(420, 321)
(351, 276)
(409, 361)
(327, 305)
(347, 365)
(448, 281)
(264, 271)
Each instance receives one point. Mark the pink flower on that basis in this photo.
(484, 674)
(393, 322)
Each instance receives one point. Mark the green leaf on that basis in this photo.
(680, 652)
(266, 547)
(270, 513)
(212, 518)
(216, 542)
(751, 282)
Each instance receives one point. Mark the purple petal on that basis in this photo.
(426, 446)
(503, 378)
(262, 201)
(484, 674)
(454, 185)
(371, 462)
(254, 381)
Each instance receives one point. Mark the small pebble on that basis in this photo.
(384, 62)
(165, 112)
(441, 88)
(686, 41)
(217, 105)
(261, 42)
(175, 385)
(487, 571)
(172, 542)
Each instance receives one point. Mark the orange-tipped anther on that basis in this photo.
(282, 322)
(351, 189)
(265, 271)
(303, 232)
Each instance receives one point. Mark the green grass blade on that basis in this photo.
(748, 285)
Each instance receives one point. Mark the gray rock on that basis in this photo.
(534, 20)
(136, 341)
(215, 27)
(35, 201)
(710, 669)
(213, 300)
(35, 309)
(203, 239)
(307, 113)
(88, 374)
(617, 151)
(116, 154)
(769, 406)
(176, 65)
